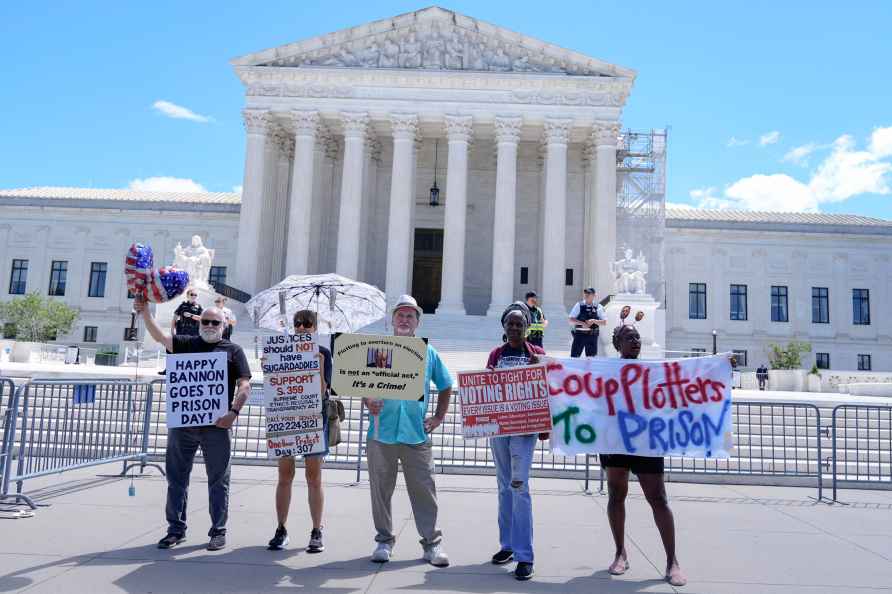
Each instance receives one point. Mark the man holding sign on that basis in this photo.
(202, 369)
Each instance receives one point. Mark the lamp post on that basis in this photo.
(715, 349)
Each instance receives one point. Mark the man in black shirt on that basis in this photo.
(186, 316)
(214, 440)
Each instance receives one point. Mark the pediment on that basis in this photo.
(433, 39)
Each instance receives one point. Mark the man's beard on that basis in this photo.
(211, 335)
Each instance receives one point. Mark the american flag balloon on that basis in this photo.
(166, 283)
(137, 267)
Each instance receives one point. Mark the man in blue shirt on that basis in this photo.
(399, 434)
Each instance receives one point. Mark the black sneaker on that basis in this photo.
(502, 557)
(170, 541)
(315, 545)
(279, 541)
(217, 542)
(523, 571)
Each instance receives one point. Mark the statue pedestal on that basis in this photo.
(652, 328)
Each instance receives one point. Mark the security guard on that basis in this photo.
(538, 323)
(586, 317)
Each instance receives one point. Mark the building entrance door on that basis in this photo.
(427, 268)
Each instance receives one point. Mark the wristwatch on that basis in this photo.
(232, 410)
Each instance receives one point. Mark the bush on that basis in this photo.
(789, 357)
(36, 318)
(814, 370)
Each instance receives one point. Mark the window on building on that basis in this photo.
(738, 302)
(524, 275)
(820, 305)
(217, 275)
(779, 311)
(58, 278)
(697, 301)
(8, 330)
(697, 352)
(18, 277)
(864, 362)
(822, 360)
(740, 356)
(861, 307)
(568, 277)
(90, 333)
(98, 271)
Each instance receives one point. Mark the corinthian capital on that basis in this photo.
(305, 122)
(355, 123)
(256, 121)
(459, 127)
(557, 130)
(508, 128)
(405, 125)
(605, 133)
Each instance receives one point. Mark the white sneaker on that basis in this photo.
(436, 556)
(382, 553)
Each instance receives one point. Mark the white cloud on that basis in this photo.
(769, 138)
(847, 172)
(680, 206)
(237, 189)
(734, 141)
(165, 184)
(800, 154)
(172, 110)
(881, 142)
(776, 192)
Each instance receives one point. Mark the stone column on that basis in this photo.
(504, 216)
(603, 195)
(557, 134)
(6, 261)
(278, 254)
(458, 131)
(249, 228)
(399, 223)
(306, 126)
(355, 125)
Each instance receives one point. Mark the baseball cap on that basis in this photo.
(589, 291)
(406, 301)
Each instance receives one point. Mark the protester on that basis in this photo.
(214, 440)
(513, 454)
(399, 434)
(538, 322)
(649, 471)
(762, 376)
(586, 317)
(185, 318)
(305, 322)
(220, 303)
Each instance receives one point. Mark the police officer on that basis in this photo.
(586, 317)
(538, 323)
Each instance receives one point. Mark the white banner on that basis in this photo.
(603, 405)
(197, 389)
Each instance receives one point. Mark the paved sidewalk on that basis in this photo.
(732, 539)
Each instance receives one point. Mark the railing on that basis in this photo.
(230, 292)
(7, 428)
(862, 446)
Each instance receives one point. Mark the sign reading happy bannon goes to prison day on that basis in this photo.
(197, 385)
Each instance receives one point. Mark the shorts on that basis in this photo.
(324, 452)
(637, 464)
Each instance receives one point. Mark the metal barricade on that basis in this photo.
(7, 428)
(862, 447)
(66, 425)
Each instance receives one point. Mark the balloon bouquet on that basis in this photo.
(148, 283)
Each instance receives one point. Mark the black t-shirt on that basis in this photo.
(236, 362)
(186, 325)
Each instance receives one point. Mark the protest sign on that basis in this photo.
(375, 366)
(511, 401)
(197, 389)
(645, 408)
(292, 398)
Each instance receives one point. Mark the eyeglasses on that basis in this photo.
(211, 322)
(193, 294)
(303, 324)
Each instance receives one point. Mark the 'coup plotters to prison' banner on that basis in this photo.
(646, 408)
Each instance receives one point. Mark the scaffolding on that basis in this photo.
(641, 202)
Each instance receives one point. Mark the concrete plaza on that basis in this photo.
(732, 539)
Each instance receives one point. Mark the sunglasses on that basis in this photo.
(303, 324)
(211, 322)
(193, 294)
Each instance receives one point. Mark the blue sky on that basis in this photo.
(771, 105)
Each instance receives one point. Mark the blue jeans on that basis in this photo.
(182, 444)
(513, 455)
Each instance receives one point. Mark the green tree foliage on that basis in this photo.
(36, 318)
(788, 357)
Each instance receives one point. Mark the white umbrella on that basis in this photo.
(341, 304)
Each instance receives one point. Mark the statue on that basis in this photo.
(390, 53)
(195, 260)
(410, 52)
(630, 273)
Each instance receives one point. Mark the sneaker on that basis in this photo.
(382, 553)
(502, 557)
(217, 542)
(523, 571)
(315, 545)
(436, 556)
(279, 541)
(171, 540)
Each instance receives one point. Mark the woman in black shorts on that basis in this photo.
(649, 471)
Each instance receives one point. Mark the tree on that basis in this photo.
(789, 357)
(37, 319)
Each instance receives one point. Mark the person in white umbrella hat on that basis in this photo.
(399, 434)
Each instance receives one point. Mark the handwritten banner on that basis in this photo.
(376, 366)
(197, 389)
(646, 408)
(511, 401)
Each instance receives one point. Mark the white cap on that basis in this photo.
(406, 301)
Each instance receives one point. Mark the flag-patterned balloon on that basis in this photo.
(137, 267)
(166, 283)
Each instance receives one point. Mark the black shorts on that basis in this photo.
(637, 464)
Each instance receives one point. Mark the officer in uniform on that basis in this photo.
(538, 323)
(586, 317)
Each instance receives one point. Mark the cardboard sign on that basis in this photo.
(510, 401)
(290, 352)
(368, 365)
(680, 407)
(197, 389)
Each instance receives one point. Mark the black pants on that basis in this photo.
(535, 339)
(762, 381)
(227, 331)
(182, 445)
(587, 341)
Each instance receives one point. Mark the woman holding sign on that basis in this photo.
(305, 323)
(649, 471)
(513, 454)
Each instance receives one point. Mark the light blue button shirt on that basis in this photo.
(402, 421)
